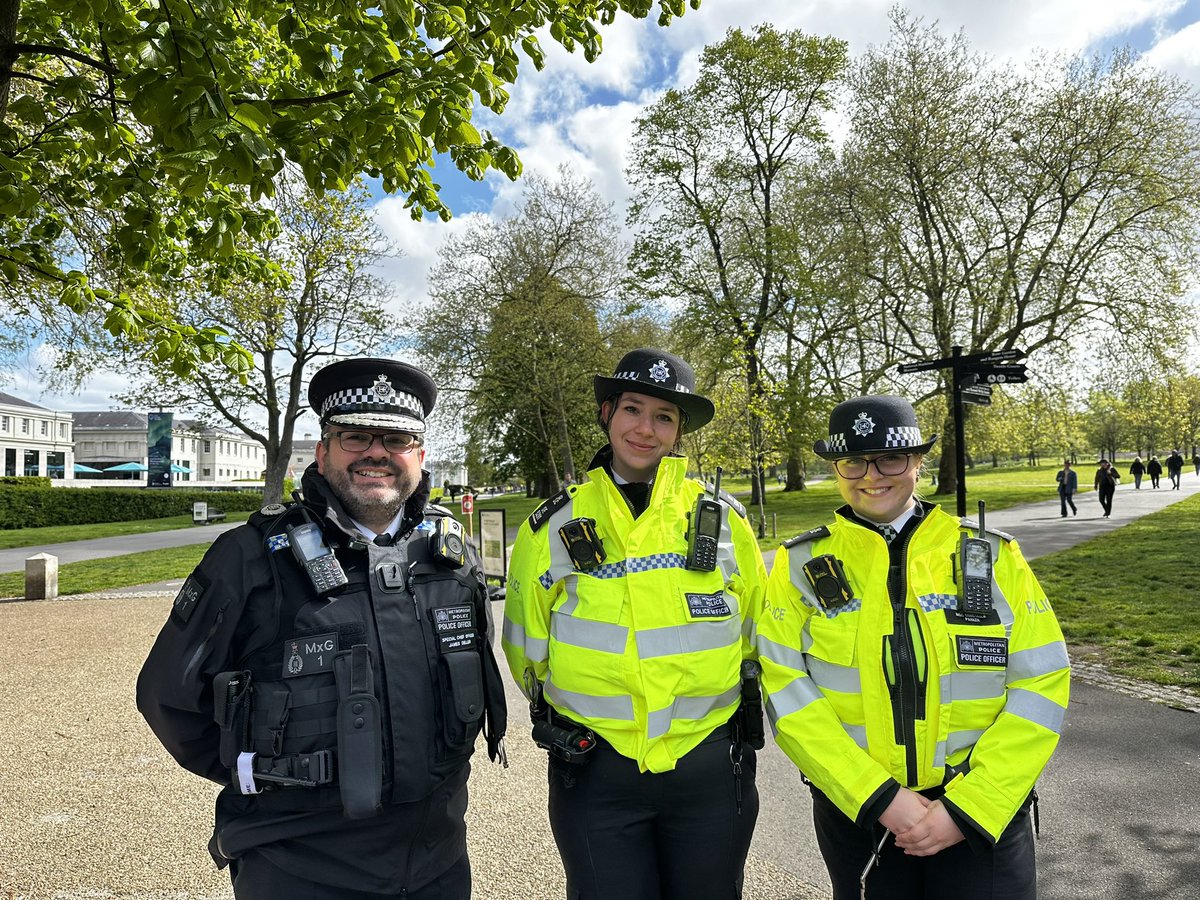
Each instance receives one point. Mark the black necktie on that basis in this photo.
(888, 532)
(383, 540)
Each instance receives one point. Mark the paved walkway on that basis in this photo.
(92, 807)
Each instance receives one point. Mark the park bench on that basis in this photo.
(203, 514)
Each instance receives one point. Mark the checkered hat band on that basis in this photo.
(367, 401)
(637, 376)
(903, 436)
(837, 443)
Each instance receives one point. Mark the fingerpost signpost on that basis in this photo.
(973, 377)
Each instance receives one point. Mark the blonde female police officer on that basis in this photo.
(905, 711)
(639, 655)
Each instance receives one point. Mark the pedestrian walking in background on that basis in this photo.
(330, 664)
(915, 708)
(1068, 484)
(1196, 462)
(1105, 483)
(1137, 469)
(1175, 469)
(1154, 470)
(629, 642)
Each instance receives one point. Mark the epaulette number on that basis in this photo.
(540, 515)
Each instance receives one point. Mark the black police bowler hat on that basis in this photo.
(662, 375)
(373, 393)
(873, 424)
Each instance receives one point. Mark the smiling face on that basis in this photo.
(642, 430)
(372, 484)
(880, 498)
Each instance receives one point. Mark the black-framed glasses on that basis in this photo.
(886, 464)
(394, 442)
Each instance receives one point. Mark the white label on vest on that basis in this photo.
(982, 651)
(309, 655)
(708, 606)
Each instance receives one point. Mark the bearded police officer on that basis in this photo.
(329, 663)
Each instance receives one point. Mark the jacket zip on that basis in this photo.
(905, 682)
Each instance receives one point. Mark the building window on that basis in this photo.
(62, 429)
(45, 428)
(32, 462)
(208, 446)
(24, 426)
(56, 464)
(207, 472)
(10, 461)
(5, 422)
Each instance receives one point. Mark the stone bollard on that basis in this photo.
(41, 577)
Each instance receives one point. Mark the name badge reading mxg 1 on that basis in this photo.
(309, 655)
(982, 651)
(455, 627)
(708, 606)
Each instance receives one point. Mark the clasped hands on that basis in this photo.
(922, 827)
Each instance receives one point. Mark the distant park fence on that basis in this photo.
(37, 507)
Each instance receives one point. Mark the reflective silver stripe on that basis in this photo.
(561, 567)
(797, 557)
(939, 755)
(797, 694)
(535, 649)
(590, 706)
(972, 686)
(659, 721)
(1038, 661)
(999, 601)
(961, 740)
(726, 551)
(858, 733)
(843, 679)
(580, 632)
(780, 653)
(693, 637)
(1035, 708)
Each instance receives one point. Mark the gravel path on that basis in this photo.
(93, 807)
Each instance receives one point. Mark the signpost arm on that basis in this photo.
(960, 453)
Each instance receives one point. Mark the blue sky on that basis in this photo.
(581, 115)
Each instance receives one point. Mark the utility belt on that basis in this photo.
(252, 740)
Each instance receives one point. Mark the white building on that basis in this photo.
(35, 440)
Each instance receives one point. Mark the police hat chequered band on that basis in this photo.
(638, 376)
(897, 438)
(367, 399)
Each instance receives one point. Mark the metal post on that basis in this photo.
(960, 450)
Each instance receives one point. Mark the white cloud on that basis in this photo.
(1178, 53)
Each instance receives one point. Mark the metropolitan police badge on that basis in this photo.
(863, 425)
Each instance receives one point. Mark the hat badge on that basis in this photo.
(659, 371)
(863, 425)
(383, 389)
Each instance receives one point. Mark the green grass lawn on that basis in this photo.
(115, 571)
(1128, 599)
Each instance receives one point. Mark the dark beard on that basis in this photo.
(372, 509)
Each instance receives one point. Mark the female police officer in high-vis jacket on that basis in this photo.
(631, 649)
(915, 673)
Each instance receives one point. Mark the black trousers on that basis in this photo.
(1106, 498)
(1004, 872)
(255, 877)
(678, 835)
(1065, 498)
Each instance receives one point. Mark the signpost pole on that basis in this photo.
(960, 453)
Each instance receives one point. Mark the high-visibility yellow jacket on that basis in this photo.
(894, 684)
(640, 649)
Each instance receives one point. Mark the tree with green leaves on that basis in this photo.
(998, 209)
(524, 312)
(331, 305)
(139, 136)
(711, 166)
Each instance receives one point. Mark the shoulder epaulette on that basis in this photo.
(539, 516)
(734, 504)
(271, 512)
(811, 535)
(972, 525)
(437, 509)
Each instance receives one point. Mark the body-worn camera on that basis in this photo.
(583, 544)
(324, 570)
(449, 545)
(828, 581)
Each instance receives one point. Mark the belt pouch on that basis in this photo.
(465, 683)
(231, 711)
(360, 747)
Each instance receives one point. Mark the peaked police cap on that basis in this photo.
(657, 373)
(373, 393)
(877, 423)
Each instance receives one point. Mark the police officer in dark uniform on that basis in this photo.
(330, 664)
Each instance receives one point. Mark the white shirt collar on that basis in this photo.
(393, 527)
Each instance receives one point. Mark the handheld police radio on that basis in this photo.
(704, 530)
(316, 556)
(975, 573)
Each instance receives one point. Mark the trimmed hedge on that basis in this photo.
(24, 480)
(38, 507)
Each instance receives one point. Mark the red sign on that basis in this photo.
(468, 503)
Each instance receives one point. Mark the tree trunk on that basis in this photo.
(796, 474)
(9, 11)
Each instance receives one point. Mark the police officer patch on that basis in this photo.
(982, 651)
(455, 627)
(708, 606)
